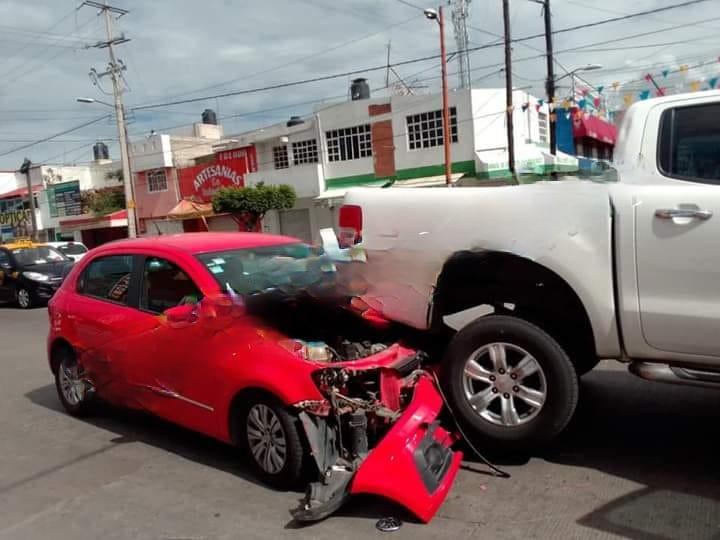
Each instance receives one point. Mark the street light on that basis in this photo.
(93, 100)
(437, 15)
(124, 159)
(588, 67)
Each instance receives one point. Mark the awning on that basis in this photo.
(116, 219)
(594, 128)
(187, 209)
(20, 192)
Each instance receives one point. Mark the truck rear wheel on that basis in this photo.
(509, 383)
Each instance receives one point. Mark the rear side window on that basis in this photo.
(165, 285)
(689, 145)
(107, 278)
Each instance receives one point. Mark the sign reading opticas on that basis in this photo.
(228, 169)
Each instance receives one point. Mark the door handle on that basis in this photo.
(672, 213)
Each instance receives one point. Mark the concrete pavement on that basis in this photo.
(638, 461)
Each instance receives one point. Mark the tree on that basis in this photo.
(248, 205)
(103, 201)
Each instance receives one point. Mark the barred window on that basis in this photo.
(425, 130)
(349, 143)
(157, 181)
(542, 127)
(305, 152)
(280, 157)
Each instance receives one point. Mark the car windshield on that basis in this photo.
(288, 268)
(37, 255)
(72, 249)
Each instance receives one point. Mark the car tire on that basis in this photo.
(509, 383)
(24, 298)
(271, 435)
(75, 394)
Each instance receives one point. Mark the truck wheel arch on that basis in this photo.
(485, 282)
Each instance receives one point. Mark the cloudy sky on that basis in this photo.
(190, 48)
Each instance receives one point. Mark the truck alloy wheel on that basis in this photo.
(509, 383)
(504, 384)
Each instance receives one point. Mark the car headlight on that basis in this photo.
(36, 276)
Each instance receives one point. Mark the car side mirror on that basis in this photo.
(181, 316)
(221, 311)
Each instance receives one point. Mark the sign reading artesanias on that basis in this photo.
(227, 169)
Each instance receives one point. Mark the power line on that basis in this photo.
(295, 60)
(30, 41)
(54, 136)
(416, 60)
(32, 69)
(410, 4)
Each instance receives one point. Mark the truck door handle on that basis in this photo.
(672, 213)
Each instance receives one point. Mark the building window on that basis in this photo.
(542, 127)
(305, 152)
(349, 143)
(425, 130)
(157, 181)
(280, 157)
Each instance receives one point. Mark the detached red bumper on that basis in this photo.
(413, 464)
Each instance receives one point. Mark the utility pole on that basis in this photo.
(550, 83)
(509, 90)
(115, 69)
(446, 105)
(25, 169)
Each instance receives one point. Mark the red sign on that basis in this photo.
(229, 169)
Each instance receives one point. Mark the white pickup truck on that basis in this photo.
(534, 284)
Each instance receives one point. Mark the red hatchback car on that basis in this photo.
(242, 337)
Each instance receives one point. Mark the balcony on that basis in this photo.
(306, 179)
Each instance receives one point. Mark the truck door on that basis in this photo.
(677, 236)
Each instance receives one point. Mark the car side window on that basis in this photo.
(107, 278)
(164, 285)
(689, 144)
(4, 259)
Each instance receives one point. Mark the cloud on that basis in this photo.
(182, 48)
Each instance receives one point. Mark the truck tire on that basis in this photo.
(508, 383)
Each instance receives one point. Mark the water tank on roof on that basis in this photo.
(100, 151)
(209, 117)
(359, 89)
(295, 121)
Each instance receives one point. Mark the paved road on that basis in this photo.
(639, 461)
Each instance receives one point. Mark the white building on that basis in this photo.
(395, 140)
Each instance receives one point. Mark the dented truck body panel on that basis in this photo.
(563, 226)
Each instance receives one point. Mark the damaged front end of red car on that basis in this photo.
(378, 432)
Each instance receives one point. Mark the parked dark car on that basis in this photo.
(30, 273)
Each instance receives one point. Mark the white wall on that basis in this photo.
(154, 152)
(488, 106)
(10, 181)
(404, 106)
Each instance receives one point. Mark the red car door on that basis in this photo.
(103, 326)
(176, 366)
